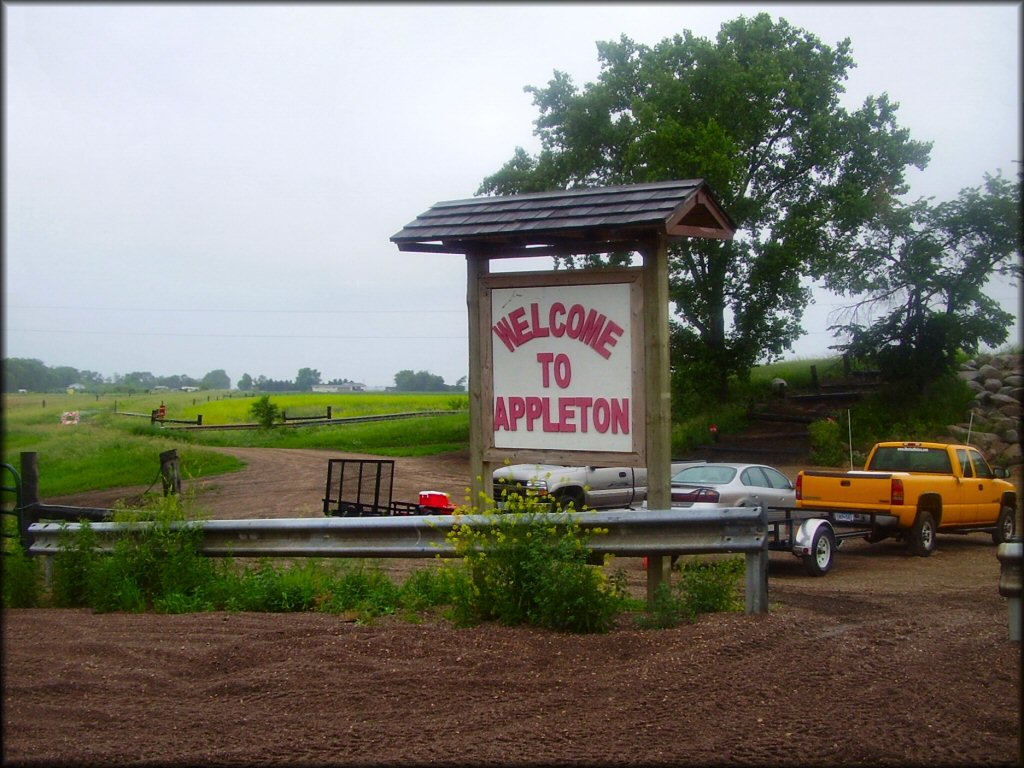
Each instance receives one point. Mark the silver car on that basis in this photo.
(732, 485)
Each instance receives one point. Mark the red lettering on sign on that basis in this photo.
(588, 326)
(563, 414)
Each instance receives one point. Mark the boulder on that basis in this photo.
(989, 371)
(1011, 455)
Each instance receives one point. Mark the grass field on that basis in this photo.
(113, 444)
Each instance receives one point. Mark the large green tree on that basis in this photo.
(926, 268)
(420, 381)
(756, 113)
(306, 378)
(217, 379)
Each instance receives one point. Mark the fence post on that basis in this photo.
(199, 420)
(170, 471)
(29, 493)
(329, 417)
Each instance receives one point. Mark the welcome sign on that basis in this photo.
(565, 354)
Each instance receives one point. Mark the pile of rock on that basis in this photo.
(994, 417)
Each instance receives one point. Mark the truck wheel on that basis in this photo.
(1006, 525)
(922, 535)
(570, 496)
(823, 547)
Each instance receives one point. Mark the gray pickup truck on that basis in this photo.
(591, 487)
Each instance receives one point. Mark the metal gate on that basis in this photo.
(10, 509)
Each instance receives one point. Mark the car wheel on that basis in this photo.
(822, 555)
(922, 535)
(1006, 525)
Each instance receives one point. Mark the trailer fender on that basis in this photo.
(803, 539)
(815, 544)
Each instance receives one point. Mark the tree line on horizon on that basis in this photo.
(34, 375)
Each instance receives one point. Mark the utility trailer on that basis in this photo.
(814, 535)
(363, 488)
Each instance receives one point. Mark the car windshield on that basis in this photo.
(704, 475)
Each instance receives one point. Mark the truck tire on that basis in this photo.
(1006, 525)
(823, 549)
(921, 537)
(570, 496)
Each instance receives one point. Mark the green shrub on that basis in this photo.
(368, 593)
(156, 560)
(665, 612)
(827, 447)
(21, 579)
(703, 587)
(530, 567)
(73, 566)
(430, 587)
(270, 589)
(265, 412)
(711, 587)
(902, 413)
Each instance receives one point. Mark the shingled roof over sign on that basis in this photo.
(589, 220)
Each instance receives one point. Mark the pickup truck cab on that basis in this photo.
(915, 490)
(591, 487)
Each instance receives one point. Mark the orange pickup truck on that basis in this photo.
(914, 490)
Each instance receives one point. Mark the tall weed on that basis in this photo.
(530, 566)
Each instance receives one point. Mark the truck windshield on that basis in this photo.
(911, 459)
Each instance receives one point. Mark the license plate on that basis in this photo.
(846, 517)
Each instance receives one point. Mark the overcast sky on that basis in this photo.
(190, 188)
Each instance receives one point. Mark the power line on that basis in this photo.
(244, 311)
(389, 337)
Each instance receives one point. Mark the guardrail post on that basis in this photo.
(329, 412)
(757, 582)
(757, 572)
(170, 471)
(1010, 554)
(199, 420)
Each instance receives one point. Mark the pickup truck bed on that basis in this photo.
(926, 487)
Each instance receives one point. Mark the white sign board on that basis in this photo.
(566, 365)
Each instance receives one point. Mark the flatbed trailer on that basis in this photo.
(364, 488)
(813, 535)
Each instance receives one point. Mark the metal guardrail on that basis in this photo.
(645, 532)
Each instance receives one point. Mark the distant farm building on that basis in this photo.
(348, 386)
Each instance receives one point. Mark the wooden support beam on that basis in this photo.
(659, 402)
(477, 267)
